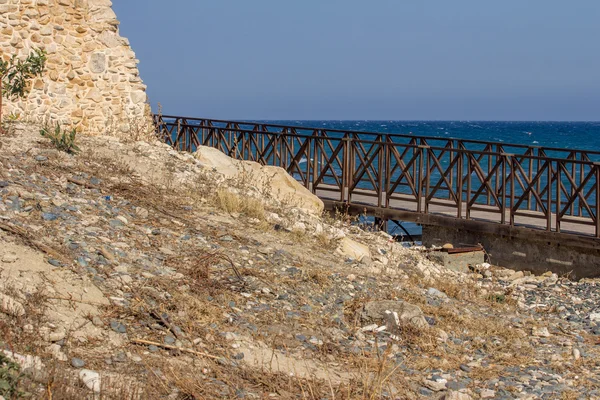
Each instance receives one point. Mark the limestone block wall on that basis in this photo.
(91, 78)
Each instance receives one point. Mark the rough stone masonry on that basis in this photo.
(91, 79)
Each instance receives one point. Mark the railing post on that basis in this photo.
(503, 194)
(558, 186)
(512, 190)
(459, 183)
(424, 178)
(346, 173)
(178, 134)
(419, 179)
(380, 172)
(427, 177)
(549, 200)
(469, 173)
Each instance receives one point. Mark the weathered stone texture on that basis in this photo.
(91, 78)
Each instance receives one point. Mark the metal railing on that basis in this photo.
(512, 184)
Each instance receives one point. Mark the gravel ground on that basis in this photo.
(195, 302)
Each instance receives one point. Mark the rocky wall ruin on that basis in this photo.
(91, 78)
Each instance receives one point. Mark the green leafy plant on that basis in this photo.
(63, 140)
(9, 377)
(16, 73)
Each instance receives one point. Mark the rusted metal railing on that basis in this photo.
(510, 184)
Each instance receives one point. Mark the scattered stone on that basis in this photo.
(9, 258)
(516, 275)
(406, 313)
(455, 395)
(118, 327)
(351, 248)
(77, 362)
(91, 379)
(540, 332)
(434, 385)
(10, 306)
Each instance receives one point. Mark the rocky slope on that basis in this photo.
(132, 271)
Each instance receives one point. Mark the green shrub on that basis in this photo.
(9, 378)
(16, 74)
(62, 140)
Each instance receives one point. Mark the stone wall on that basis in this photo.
(91, 78)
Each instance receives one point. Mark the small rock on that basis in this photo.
(380, 311)
(448, 246)
(453, 395)
(230, 336)
(576, 353)
(91, 379)
(540, 332)
(56, 352)
(54, 263)
(516, 275)
(435, 385)
(141, 212)
(170, 340)
(49, 217)
(10, 306)
(465, 368)
(487, 394)
(9, 258)
(594, 317)
(118, 327)
(353, 249)
(77, 362)
(436, 293)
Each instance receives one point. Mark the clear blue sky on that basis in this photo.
(359, 59)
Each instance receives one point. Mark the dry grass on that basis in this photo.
(233, 203)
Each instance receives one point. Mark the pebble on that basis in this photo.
(9, 258)
(487, 394)
(540, 332)
(170, 340)
(91, 379)
(118, 327)
(77, 362)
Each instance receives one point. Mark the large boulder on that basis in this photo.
(274, 181)
(381, 311)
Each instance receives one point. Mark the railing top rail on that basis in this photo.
(403, 135)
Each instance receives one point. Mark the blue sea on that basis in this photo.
(567, 135)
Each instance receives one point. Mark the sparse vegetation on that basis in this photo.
(10, 375)
(232, 203)
(63, 140)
